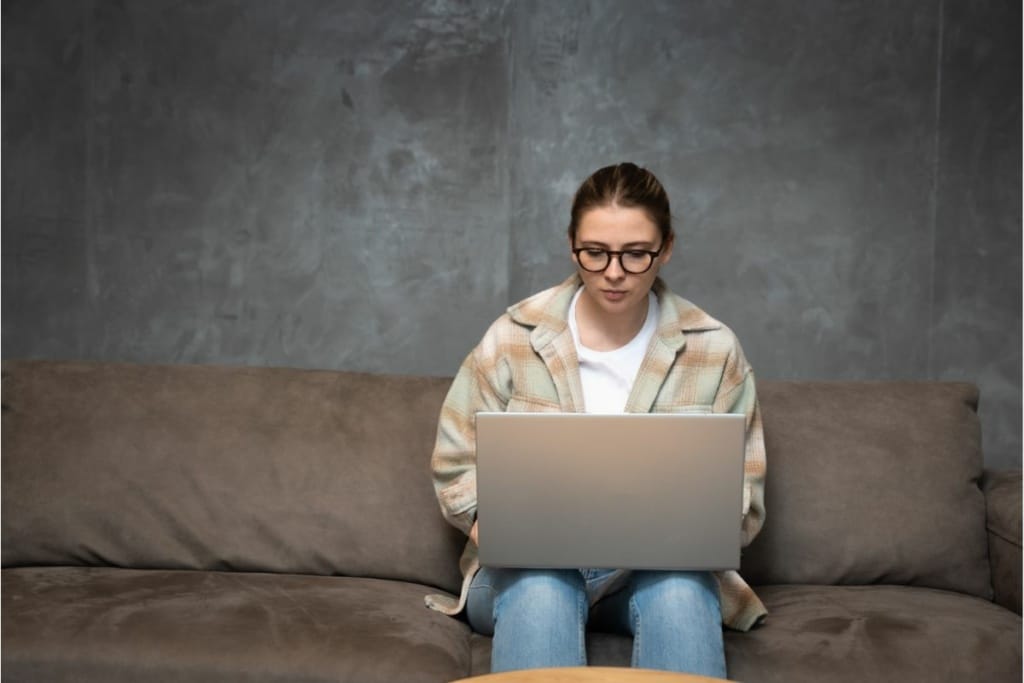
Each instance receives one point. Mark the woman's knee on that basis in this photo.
(676, 591)
(544, 582)
(543, 590)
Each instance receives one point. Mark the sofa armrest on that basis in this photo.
(1003, 514)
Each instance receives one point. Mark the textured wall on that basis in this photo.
(253, 182)
(366, 185)
(975, 310)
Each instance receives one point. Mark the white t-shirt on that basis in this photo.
(608, 376)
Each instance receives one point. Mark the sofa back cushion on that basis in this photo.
(872, 482)
(232, 468)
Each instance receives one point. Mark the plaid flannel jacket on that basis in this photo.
(527, 362)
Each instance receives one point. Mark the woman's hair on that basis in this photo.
(625, 185)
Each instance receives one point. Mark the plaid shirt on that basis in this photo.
(527, 362)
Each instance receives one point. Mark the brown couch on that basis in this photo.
(185, 523)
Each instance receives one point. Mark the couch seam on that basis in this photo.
(996, 532)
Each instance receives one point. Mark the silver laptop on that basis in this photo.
(634, 491)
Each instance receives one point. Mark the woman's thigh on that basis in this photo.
(483, 593)
(670, 591)
(530, 593)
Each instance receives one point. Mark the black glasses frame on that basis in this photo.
(609, 254)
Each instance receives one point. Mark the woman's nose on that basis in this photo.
(614, 270)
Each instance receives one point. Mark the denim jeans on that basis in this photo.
(538, 618)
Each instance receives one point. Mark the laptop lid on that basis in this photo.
(631, 491)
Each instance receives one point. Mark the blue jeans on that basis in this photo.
(538, 618)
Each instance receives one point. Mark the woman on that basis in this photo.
(611, 338)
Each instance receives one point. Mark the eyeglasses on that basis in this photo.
(633, 261)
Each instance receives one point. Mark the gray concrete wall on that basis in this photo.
(366, 185)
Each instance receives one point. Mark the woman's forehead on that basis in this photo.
(617, 224)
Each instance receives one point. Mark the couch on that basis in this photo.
(191, 523)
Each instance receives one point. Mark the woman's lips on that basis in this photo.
(613, 294)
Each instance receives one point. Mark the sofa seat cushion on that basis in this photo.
(876, 633)
(852, 633)
(107, 624)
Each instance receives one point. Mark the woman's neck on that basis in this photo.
(602, 331)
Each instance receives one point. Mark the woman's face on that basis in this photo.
(616, 228)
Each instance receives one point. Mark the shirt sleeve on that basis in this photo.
(738, 394)
(476, 388)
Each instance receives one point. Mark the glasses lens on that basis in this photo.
(636, 261)
(594, 260)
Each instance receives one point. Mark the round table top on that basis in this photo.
(589, 674)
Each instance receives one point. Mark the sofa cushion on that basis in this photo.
(1003, 507)
(193, 467)
(106, 624)
(851, 633)
(872, 482)
(876, 633)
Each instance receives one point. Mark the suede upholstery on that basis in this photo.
(124, 624)
(1002, 492)
(223, 468)
(184, 523)
(872, 483)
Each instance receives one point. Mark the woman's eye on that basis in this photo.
(636, 254)
(595, 252)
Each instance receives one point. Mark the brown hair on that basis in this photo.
(625, 185)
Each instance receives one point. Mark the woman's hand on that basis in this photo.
(473, 535)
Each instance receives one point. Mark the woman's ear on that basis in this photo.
(666, 251)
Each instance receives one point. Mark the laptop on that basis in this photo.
(631, 491)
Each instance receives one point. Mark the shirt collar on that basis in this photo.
(548, 312)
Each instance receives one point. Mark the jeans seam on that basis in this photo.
(496, 602)
(634, 618)
(582, 608)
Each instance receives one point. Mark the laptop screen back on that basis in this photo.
(632, 491)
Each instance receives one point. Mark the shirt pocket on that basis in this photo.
(695, 408)
(459, 497)
(531, 404)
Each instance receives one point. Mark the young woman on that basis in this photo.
(611, 338)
